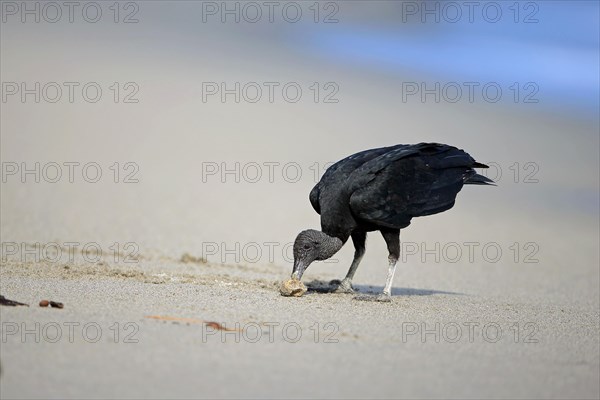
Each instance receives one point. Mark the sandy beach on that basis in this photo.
(165, 225)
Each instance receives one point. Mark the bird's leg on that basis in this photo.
(391, 270)
(359, 239)
(392, 239)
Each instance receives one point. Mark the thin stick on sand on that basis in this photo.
(212, 324)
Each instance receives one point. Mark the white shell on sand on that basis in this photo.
(292, 287)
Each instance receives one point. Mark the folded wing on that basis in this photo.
(409, 181)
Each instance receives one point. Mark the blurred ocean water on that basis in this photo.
(552, 44)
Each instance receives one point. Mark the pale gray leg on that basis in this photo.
(388, 283)
(359, 240)
(392, 239)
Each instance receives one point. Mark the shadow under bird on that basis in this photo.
(382, 190)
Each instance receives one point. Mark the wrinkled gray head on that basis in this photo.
(311, 245)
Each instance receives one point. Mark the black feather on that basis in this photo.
(386, 187)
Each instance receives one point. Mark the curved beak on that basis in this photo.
(299, 268)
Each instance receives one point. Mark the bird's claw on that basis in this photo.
(384, 298)
(344, 286)
(381, 298)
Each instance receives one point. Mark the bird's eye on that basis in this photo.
(306, 247)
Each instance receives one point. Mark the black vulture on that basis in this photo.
(382, 190)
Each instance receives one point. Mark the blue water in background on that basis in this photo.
(560, 52)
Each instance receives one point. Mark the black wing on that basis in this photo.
(335, 176)
(407, 182)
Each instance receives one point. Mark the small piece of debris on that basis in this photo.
(188, 321)
(44, 303)
(56, 304)
(6, 302)
(188, 258)
(217, 326)
(292, 287)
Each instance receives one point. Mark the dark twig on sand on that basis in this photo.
(6, 302)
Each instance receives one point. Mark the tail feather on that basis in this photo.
(477, 179)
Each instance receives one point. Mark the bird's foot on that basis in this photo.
(381, 298)
(344, 286)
